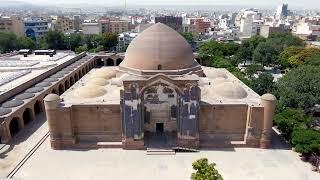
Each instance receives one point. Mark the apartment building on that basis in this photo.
(12, 24)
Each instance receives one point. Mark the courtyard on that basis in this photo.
(280, 162)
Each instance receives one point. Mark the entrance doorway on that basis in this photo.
(159, 127)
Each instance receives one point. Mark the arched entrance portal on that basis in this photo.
(14, 126)
(110, 62)
(160, 103)
(27, 116)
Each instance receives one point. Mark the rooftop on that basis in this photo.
(18, 69)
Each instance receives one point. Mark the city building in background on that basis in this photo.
(63, 24)
(282, 11)
(171, 21)
(35, 27)
(12, 24)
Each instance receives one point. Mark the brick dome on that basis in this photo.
(159, 48)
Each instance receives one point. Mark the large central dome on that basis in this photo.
(159, 48)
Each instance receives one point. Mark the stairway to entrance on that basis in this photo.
(160, 143)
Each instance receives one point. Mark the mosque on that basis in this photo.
(159, 96)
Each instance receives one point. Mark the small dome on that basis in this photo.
(12, 103)
(105, 73)
(58, 75)
(43, 84)
(51, 80)
(4, 111)
(230, 90)
(219, 80)
(216, 73)
(51, 97)
(159, 47)
(98, 81)
(34, 89)
(24, 96)
(90, 91)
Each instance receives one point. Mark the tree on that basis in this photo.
(220, 62)
(75, 40)
(291, 119)
(299, 59)
(287, 53)
(284, 40)
(205, 171)
(245, 51)
(26, 43)
(55, 40)
(252, 69)
(306, 141)
(188, 37)
(265, 53)
(241, 76)
(230, 48)
(313, 61)
(81, 49)
(263, 84)
(109, 40)
(299, 88)
(211, 49)
(8, 42)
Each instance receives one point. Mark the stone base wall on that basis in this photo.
(131, 144)
(188, 143)
(59, 144)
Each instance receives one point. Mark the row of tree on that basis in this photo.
(58, 41)
(10, 42)
(297, 91)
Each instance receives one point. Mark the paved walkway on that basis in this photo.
(12, 153)
(279, 163)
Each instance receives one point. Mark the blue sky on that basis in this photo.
(295, 3)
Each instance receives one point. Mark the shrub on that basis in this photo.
(205, 171)
(306, 141)
(291, 119)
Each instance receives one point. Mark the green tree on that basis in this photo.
(299, 59)
(220, 62)
(75, 40)
(299, 88)
(210, 50)
(8, 42)
(263, 84)
(241, 76)
(55, 40)
(109, 40)
(26, 43)
(306, 141)
(205, 171)
(281, 41)
(287, 53)
(246, 49)
(230, 48)
(265, 53)
(313, 61)
(188, 36)
(252, 69)
(289, 120)
(81, 49)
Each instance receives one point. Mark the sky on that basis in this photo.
(293, 3)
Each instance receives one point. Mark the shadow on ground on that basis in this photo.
(23, 135)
